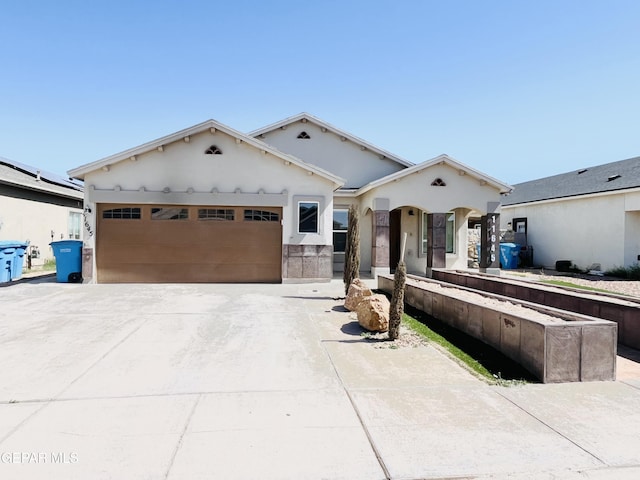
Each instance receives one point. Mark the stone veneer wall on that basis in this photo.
(307, 262)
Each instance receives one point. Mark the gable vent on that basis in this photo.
(213, 150)
(438, 182)
(613, 177)
(304, 136)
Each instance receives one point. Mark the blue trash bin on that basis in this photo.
(18, 261)
(509, 255)
(68, 255)
(6, 262)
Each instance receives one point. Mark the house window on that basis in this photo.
(122, 213)
(451, 232)
(74, 225)
(169, 213)
(304, 136)
(340, 226)
(260, 216)
(213, 150)
(308, 217)
(216, 214)
(423, 243)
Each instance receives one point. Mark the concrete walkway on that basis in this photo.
(273, 382)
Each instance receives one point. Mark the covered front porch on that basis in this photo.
(431, 203)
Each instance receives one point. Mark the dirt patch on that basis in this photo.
(489, 302)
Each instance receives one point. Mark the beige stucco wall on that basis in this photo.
(28, 220)
(326, 150)
(602, 229)
(242, 175)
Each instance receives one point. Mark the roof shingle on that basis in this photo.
(620, 175)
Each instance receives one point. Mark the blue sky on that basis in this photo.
(519, 90)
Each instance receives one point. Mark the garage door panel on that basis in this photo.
(145, 250)
(132, 254)
(181, 273)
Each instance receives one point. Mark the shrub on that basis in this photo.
(397, 301)
(631, 273)
(352, 249)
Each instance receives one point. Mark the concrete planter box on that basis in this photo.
(623, 311)
(566, 348)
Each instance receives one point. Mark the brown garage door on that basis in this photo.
(167, 243)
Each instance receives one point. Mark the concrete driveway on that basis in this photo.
(272, 382)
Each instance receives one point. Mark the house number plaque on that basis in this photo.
(490, 241)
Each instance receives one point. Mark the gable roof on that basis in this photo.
(26, 176)
(610, 177)
(307, 117)
(212, 125)
(440, 159)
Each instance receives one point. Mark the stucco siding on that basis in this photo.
(632, 238)
(27, 220)
(327, 151)
(416, 189)
(586, 231)
(242, 172)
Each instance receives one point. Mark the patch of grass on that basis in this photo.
(478, 357)
(562, 283)
(49, 264)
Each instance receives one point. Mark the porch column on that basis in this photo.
(490, 243)
(436, 241)
(380, 238)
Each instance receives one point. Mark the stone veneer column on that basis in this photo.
(436, 241)
(87, 265)
(490, 243)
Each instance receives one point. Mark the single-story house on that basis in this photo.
(38, 207)
(589, 217)
(212, 204)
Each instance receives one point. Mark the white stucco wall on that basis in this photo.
(415, 190)
(191, 175)
(632, 238)
(462, 195)
(586, 230)
(415, 259)
(326, 150)
(28, 220)
(341, 202)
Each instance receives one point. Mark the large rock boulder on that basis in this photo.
(357, 291)
(373, 313)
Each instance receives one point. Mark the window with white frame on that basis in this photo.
(308, 217)
(75, 219)
(340, 226)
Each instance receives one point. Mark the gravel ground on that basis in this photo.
(623, 287)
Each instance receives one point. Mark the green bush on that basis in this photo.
(630, 273)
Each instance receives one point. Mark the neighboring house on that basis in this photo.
(211, 204)
(38, 207)
(590, 217)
